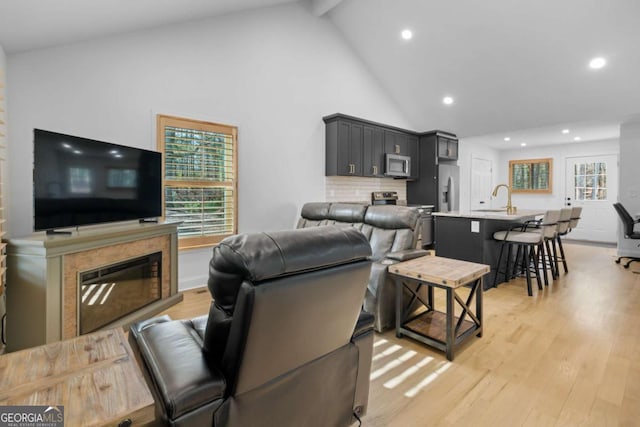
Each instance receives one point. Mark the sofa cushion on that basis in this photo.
(172, 352)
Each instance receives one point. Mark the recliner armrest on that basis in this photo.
(174, 357)
(407, 254)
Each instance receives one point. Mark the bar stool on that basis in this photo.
(576, 211)
(531, 245)
(564, 224)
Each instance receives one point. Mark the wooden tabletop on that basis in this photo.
(448, 272)
(94, 376)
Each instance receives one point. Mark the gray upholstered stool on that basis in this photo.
(530, 246)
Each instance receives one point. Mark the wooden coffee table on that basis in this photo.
(433, 327)
(94, 376)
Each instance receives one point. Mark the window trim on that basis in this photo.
(162, 121)
(530, 162)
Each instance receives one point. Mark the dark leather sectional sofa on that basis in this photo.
(392, 233)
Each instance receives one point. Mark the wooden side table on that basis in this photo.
(95, 377)
(432, 327)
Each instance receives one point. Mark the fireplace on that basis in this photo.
(111, 292)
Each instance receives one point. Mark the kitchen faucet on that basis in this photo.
(510, 209)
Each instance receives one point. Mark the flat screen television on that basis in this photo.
(80, 181)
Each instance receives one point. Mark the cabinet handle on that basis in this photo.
(352, 168)
(397, 149)
(375, 170)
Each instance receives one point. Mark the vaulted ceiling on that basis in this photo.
(512, 68)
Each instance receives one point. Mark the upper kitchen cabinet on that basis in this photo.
(412, 151)
(358, 147)
(447, 146)
(373, 152)
(344, 146)
(395, 142)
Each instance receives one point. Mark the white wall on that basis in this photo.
(468, 149)
(629, 184)
(5, 130)
(558, 153)
(272, 72)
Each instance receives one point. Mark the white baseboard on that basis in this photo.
(192, 283)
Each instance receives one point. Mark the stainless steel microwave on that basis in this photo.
(397, 166)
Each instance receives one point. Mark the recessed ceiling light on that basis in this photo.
(65, 145)
(523, 144)
(447, 100)
(77, 152)
(406, 34)
(577, 138)
(506, 138)
(565, 131)
(597, 63)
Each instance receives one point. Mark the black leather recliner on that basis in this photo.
(284, 344)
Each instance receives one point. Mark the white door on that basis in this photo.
(592, 182)
(480, 183)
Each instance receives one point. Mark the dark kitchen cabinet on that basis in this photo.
(373, 152)
(395, 143)
(425, 188)
(405, 144)
(412, 151)
(344, 145)
(357, 147)
(447, 147)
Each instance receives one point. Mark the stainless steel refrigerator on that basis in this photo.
(448, 187)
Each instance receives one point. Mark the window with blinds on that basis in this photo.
(200, 179)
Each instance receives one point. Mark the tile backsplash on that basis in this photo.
(359, 189)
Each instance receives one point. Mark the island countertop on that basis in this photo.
(468, 235)
(499, 214)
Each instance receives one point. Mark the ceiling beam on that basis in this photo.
(320, 7)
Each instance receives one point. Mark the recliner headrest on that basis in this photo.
(261, 256)
(315, 210)
(391, 217)
(347, 212)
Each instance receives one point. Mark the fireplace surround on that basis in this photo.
(43, 292)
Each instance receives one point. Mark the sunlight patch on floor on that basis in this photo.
(425, 382)
(393, 364)
(387, 352)
(399, 379)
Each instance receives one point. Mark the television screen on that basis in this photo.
(80, 181)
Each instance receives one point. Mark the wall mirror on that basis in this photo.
(530, 175)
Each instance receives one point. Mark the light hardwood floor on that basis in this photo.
(568, 356)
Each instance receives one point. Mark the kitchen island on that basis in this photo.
(468, 235)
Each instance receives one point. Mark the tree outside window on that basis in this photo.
(200, 179)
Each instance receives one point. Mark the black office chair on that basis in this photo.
(628, 222)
